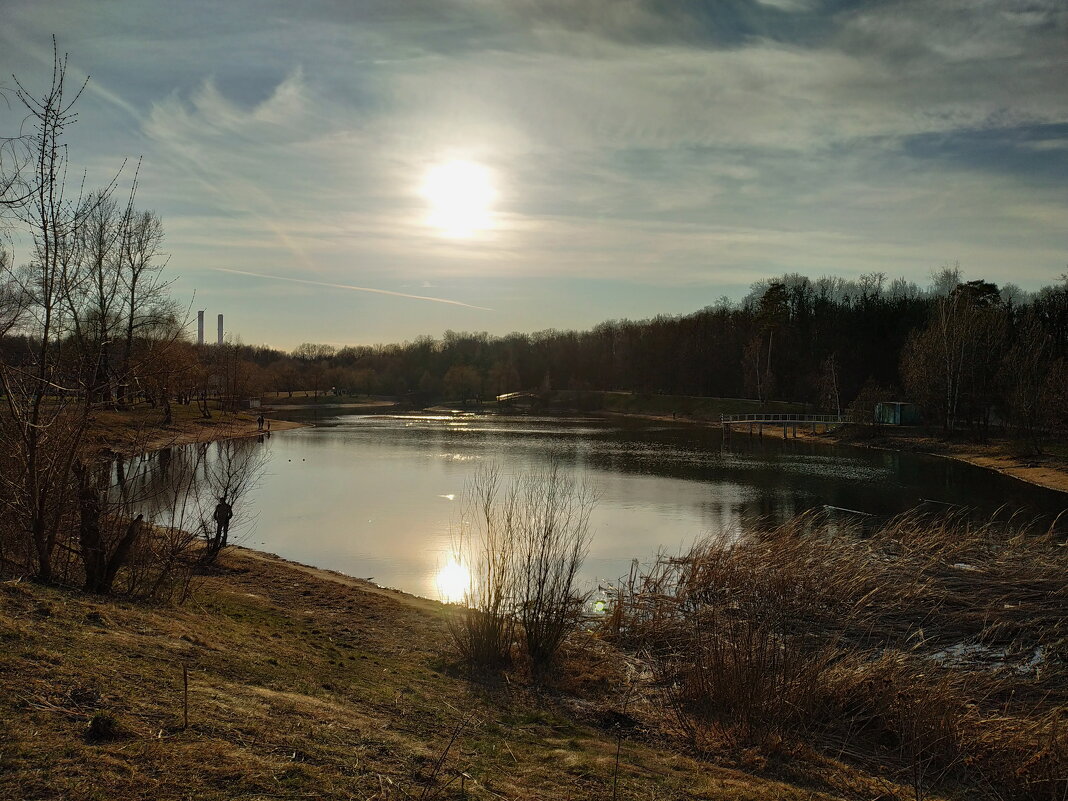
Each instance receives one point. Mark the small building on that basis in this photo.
(898, 413)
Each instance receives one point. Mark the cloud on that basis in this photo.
(681, 144)
(788, 5)
(352, 288)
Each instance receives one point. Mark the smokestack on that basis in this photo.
(220, 329)
(200, 327)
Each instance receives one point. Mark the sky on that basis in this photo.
(518, 165)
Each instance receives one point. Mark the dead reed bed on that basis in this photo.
(936, 646)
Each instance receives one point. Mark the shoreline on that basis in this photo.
(123, 434)
(1036, 470)
(304, 683)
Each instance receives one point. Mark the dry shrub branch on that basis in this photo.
(524, 543)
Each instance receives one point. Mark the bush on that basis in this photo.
(523, 544)
(484, 627)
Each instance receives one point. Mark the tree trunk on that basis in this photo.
(94, 559)
(120, 554)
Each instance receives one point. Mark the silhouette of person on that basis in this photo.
(259, 422)
(223, 513)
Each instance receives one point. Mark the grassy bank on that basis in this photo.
(306, 684)
(789, 667)
(140, 430)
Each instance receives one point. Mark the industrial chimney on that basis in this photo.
(200, 327)
(220, 330)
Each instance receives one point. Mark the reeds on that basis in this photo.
(938, 644)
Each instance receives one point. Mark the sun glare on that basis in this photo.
(460, 194)
(453, 582)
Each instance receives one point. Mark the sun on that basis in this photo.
(460, 194)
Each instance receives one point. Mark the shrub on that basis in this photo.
(524, 544)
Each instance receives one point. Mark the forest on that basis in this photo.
(970, 353)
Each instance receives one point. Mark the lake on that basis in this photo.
(376, 496)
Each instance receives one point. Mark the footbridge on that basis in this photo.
(790, 422)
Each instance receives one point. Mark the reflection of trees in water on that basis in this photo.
(228, 474)
(179, 488)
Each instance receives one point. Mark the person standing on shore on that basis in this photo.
(223, 513)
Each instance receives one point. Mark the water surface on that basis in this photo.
(375, 497)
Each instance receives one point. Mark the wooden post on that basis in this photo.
(185, 697)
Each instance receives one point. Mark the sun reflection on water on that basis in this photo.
(453, 582)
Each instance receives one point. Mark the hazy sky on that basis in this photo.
(621, 158)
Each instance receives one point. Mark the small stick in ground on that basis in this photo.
(185, 697)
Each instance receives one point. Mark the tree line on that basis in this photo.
(970, 353)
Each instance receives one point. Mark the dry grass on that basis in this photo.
(139, 429)
(301, 685)
(937, 646)
(791, 660)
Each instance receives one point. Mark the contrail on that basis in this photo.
(354, 288)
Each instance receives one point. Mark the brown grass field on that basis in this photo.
(306, 684)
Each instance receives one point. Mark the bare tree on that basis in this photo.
(1028, 374)
(950, 364)
(16, 166)
(43, 430)
(102, 555)
(227, 478)
(144, 292)
(163, 364)
(13, 295)
(91, 289)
